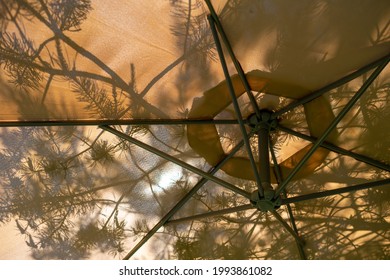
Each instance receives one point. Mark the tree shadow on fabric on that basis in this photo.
(75, 191)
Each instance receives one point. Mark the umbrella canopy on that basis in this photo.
(196, 129)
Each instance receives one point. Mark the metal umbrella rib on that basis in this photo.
(288, 228)
(279, 177)
(236, 106)
(182, 202)
(335, 192)
(338, 150)
(331, 86)
(236, 63)
(176, 161)
(334, 123)
(212, 214)
(98, 122)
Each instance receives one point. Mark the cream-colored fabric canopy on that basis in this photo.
(195, 129)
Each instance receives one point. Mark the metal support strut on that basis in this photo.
(263, 126)
(235, 103)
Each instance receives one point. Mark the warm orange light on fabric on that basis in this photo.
(205, 140)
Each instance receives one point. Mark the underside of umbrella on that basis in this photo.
(195, 129)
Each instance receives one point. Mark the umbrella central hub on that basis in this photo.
(264, 121)
(267, 203)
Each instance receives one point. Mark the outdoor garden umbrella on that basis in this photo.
(196, 129)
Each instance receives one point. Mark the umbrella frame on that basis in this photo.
(261, 123)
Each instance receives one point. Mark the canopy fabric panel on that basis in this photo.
(150, 55)
(131, 61)
(195, 129)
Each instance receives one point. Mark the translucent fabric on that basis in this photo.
(117, 118)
